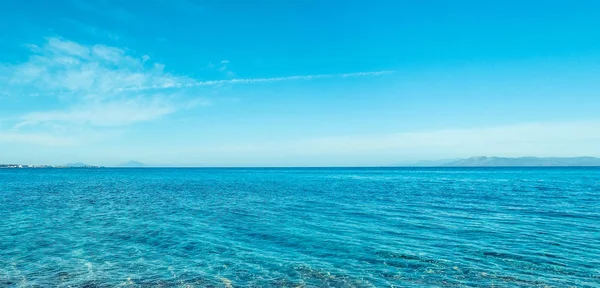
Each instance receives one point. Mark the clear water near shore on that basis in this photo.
(371, 227)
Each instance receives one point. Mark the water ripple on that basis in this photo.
(371, 227)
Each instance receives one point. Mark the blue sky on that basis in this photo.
(297, 83)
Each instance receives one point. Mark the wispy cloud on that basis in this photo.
(96, 71)
(254, 80)
(83, 82)
(225, 69)
(105, 86)
(280, 79)
(62, 66)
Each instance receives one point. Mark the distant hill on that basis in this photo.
(483, 161)
(132, 164)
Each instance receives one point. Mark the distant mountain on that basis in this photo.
(431, 163)
(483, 161)
(132, 164)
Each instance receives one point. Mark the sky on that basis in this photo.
(297, 83)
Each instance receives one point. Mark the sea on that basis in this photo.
(300, 227)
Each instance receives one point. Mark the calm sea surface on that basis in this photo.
(504, 227)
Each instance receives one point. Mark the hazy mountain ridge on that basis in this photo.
(430, 163)
(484, 161)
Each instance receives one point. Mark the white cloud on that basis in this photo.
(94, 78)
(111, 54)
(104, 86)
(60, 46)
(98, 71)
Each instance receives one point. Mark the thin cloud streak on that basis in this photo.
(254, 80)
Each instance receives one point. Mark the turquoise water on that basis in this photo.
(506, 227)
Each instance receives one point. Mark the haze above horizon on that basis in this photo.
(297, 83)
